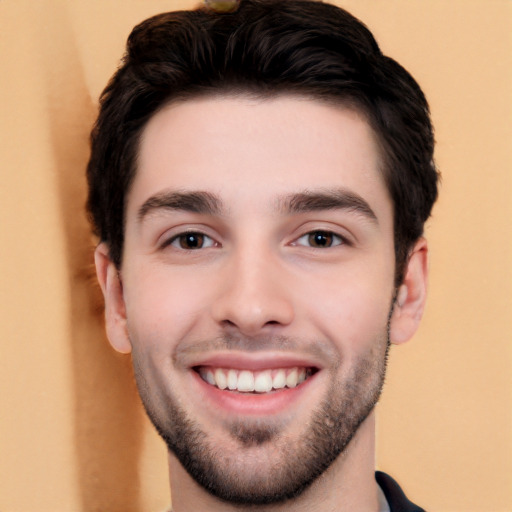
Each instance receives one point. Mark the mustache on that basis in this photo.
(226, 342)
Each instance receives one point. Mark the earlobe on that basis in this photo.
(115, 311)
(411, 295)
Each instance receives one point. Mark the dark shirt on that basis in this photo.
(395, 497)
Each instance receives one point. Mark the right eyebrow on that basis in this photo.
(336, 199)
(196, 202)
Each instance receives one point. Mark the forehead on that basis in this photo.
(249, 150)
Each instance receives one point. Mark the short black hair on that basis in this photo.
(265, 48)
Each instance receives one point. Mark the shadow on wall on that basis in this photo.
(107, 414)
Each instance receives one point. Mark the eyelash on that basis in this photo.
(181, 237)
(332, 240)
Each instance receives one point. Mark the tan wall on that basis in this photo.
(72, 434)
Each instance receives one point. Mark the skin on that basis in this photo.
(258, 290)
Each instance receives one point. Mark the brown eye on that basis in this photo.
(191, 241)
(320, 239)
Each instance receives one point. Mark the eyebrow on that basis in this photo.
(196, 202)
(309, 201)
(338, 199)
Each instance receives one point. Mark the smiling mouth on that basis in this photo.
(247, 381)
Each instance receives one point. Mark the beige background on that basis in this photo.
(72, 433)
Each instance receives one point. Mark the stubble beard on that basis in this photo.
(288, 466)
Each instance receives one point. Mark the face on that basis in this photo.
(256, 288)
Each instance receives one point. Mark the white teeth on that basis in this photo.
(263, 382)
(279, 380)
(245, 381)
(260, 381)
(232, 379)
(210, 378)
(221, 379)
(291, 378)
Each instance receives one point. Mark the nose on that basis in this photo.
(254, 295)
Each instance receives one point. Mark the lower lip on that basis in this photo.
(256, 404)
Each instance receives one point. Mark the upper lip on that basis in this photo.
(255, 361)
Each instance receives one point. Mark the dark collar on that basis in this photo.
(396, 498)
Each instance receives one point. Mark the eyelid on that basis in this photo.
(338, 239)
(341, 230)
(174, 238)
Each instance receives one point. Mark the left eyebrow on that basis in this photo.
(196, 202)
(339, 199)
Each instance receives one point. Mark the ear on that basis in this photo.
(411, 295)
(112, 288)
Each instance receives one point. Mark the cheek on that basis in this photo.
(164, 307)
(351, 311)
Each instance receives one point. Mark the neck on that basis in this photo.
(347, 485)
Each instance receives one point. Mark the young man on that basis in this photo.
(259, 180)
